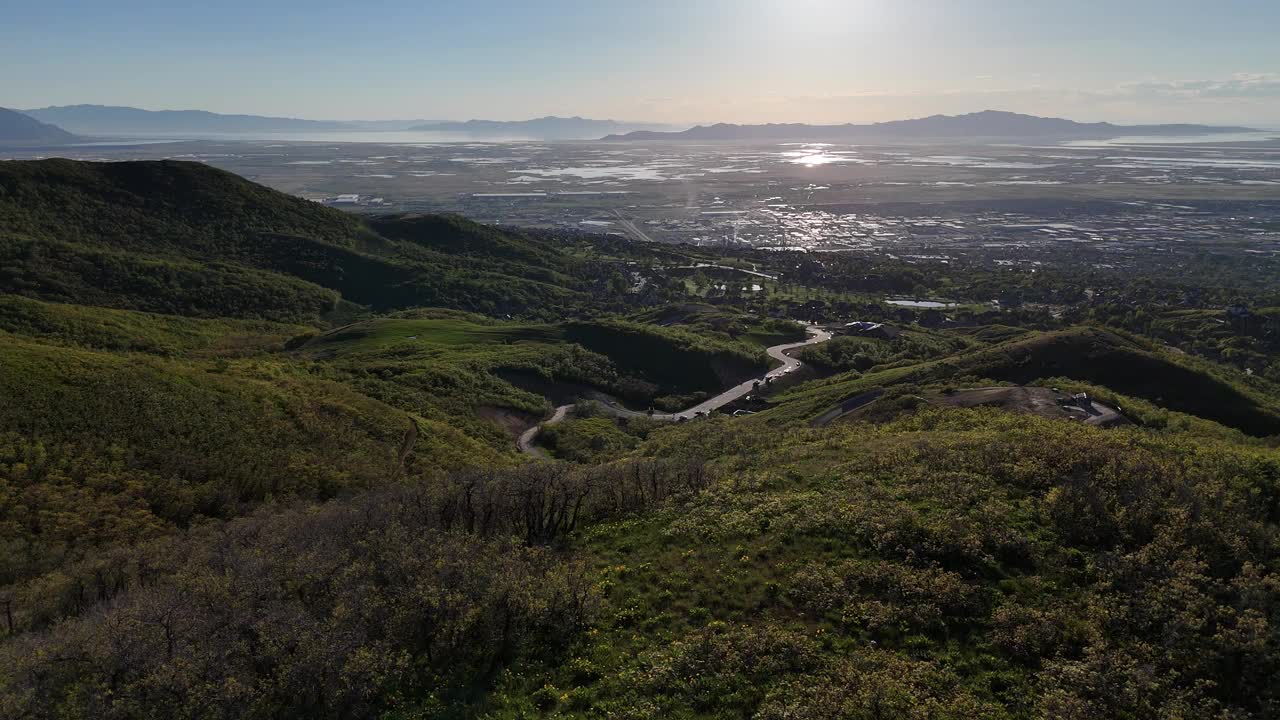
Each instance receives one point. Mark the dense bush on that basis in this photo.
(407, 594)
(338, 612)
(586, 440)
(102, 449)
(843, 354)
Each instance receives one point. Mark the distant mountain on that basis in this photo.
(130, 121)
(19, 129)
(111, 120)
(545, 128)
(387, 125)
(989, 123)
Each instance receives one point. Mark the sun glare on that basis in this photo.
(818, 17)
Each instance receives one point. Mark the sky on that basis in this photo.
(671, 61)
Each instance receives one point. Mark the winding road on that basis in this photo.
(778, 352)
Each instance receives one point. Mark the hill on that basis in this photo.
(986, 124)
(119, 427)
(116, 120)
(1138, 369)
(545, 128)
(184, 238)
(18, 129)
(1097, 356)
(954, 564)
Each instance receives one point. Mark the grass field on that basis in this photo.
(390, 333)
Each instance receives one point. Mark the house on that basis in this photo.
(870, 329)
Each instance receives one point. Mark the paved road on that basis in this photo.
(630, 227)
(525, 441)
(779, 352)
(1102, 415)
(744, 271)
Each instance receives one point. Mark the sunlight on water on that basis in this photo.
(815, 154)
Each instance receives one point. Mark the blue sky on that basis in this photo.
(660, 60)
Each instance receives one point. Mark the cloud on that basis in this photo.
(1242, 86)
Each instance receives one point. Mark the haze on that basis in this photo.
(665, 61)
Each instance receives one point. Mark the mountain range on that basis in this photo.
(545, 128)
(988, 123)
(129, 121)
(19, 129)
(112, 120)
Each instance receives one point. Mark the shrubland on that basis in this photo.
(952, 563)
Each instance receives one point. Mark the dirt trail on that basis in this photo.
(406, 446)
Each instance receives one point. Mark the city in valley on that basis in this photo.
(1107, 203)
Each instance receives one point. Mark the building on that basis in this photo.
(871, 329)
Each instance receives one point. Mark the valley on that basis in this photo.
(297, 461)
(1112, 203)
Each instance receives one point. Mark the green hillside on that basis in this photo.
(1093, 355)
(99, 445)
(455, 361)
(1106, 358)
(954, 564)
(184, 238)
(122, 330)
(670, 357)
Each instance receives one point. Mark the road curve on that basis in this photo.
(779, 352)
(525, 442)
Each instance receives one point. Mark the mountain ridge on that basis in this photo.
(187, 239)
(19, 128)
(109, 119)
(987, 123)
(125, 120)
(550, 127)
